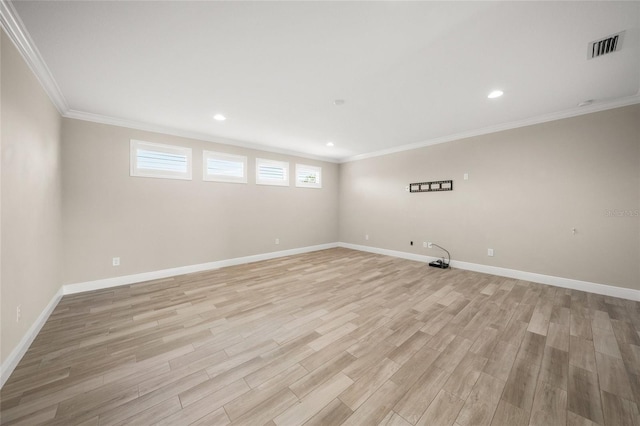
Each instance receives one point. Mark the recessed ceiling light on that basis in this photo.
(329, 143)
(219, 117)
(338, 102)
(495, 94)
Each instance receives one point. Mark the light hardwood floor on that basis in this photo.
(332, 337)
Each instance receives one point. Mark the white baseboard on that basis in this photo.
(16, 355)
(606, 290)
(386, 252)
(172, 272)
(18, 352)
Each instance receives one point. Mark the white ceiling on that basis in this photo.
(410, 73)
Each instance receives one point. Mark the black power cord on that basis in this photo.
(441, 263)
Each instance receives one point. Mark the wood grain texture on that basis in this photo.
(328, 338)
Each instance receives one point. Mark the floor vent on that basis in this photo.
(609, 44)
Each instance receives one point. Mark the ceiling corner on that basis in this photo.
(15, 29)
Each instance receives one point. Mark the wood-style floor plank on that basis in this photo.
(328, 338)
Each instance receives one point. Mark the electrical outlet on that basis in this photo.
(430, 245)
(366, 237)
(115, 261)
(425, 244)
(466, 176)
(18, 313)
(489, 252)
(406, 188)
(277, 240)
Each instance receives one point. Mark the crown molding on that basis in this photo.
(15, 29)
(132, 124)
(573, 112)
(13, 26)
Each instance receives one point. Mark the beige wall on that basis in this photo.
(154, 224)
(527, 189)
(30, 207)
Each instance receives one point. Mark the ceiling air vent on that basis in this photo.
(609, 44)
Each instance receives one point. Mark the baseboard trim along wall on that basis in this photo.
(18, 352)
(603, 289)
(16, 355)
(172, 272)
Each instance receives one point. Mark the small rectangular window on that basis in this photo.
(270, 172)
(219, 167)
(160, 161)
(308, 176)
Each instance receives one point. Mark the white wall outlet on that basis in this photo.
(466, 176)
(489, 252)
(277, 240)
(366, 237)
(430, 245)
(406, 188)
(18, 313)
(115, 261)
(425, 244)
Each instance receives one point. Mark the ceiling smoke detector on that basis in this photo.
(606, 45)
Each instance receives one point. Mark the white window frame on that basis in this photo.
(315, 169)
(282, 164)
(206, 155)
(163, 174)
